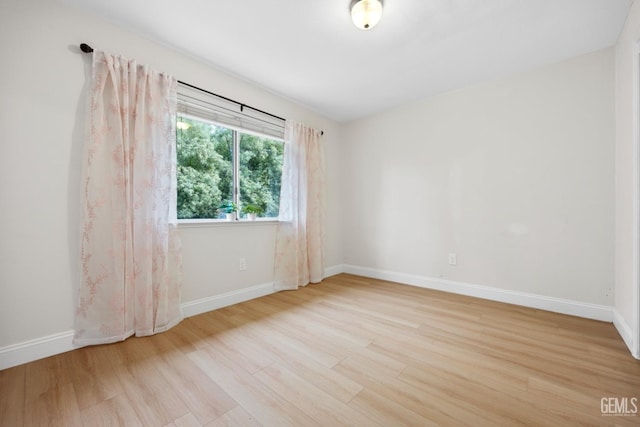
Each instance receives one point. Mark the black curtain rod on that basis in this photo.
(242, 106)
(88, 49)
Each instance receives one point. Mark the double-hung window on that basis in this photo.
(229, 157)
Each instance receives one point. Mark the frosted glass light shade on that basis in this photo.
(366, 13)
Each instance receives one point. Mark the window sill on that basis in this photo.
(207, 223)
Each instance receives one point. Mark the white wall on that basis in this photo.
(41, 120)
(627, 188)
(515, 176)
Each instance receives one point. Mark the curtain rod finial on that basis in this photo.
(86, 48)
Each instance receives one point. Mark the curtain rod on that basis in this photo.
(88, 49)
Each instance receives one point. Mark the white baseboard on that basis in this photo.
(39, 348)
(625, 332)
(542, 302)
(215, 302)
(333, 270)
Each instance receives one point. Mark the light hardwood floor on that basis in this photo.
(348, 351)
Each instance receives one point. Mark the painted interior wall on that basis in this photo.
(626, 258)
(515, 176)
(41, 123)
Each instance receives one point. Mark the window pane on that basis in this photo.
(260, 173)
(205, 171)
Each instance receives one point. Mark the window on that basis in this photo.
(225, 156)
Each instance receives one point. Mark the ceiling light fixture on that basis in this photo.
(366, 13)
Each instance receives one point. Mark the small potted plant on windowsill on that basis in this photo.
(252, 211)
(230, 210)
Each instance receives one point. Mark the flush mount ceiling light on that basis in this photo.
(366, 13)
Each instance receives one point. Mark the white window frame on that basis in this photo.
(240, 119)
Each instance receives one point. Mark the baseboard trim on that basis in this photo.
(50, 345)
(39, 348)
(204, 305)
(625, 331)
(542, 302)
(333, 270)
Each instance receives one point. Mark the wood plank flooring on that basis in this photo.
(348, 351)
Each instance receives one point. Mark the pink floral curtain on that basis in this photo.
(131, 260)
(299, 258)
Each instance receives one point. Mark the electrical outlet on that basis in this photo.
(453, 259)
(243, 264)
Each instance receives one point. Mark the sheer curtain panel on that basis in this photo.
(130, 255)
(299, 239)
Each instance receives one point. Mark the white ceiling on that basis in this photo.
(310, 52)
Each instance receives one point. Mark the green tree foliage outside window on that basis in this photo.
(260, 173)
(205, 170)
